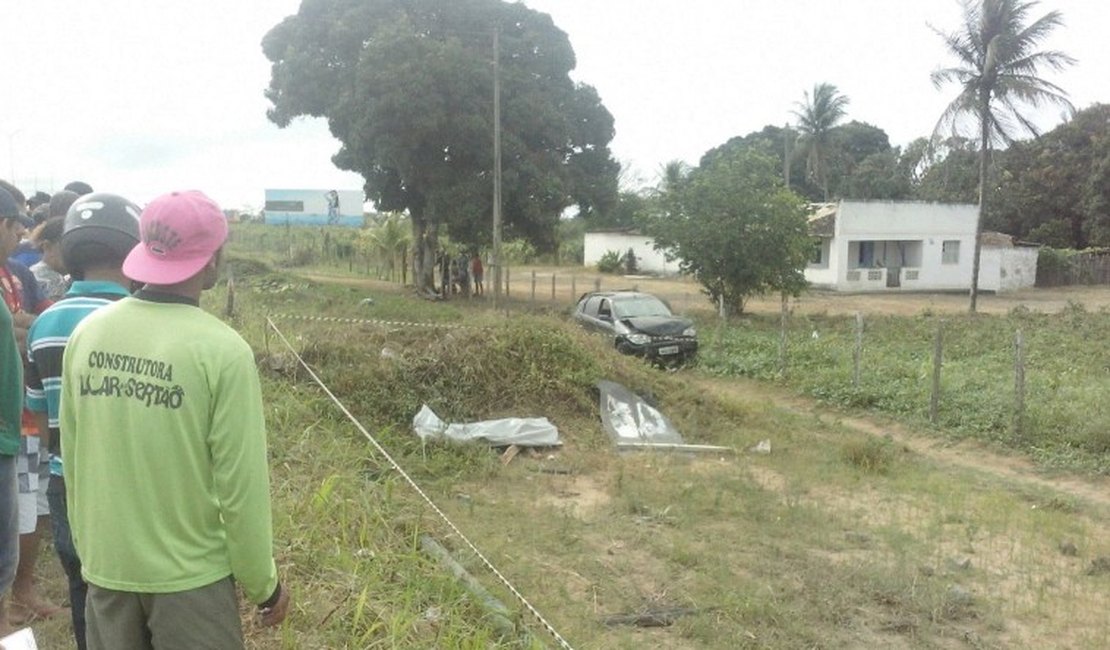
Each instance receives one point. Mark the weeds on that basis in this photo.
(1066, 415)
(875, 455)
(755, 545)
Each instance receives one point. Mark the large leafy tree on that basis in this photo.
(406, 87)
(1055, 190)
(734, 226)
(998, 64)
(817, 116)
(950, 172)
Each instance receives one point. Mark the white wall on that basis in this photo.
(1017, 267)
(823, 275)
(921, 224)
(647, 258)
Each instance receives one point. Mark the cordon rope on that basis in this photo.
(385, 454)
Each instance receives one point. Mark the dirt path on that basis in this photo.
(969, 455)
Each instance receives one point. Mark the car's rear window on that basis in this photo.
(634, 306)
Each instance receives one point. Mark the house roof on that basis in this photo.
(822, 223)
(632, 231)
(822, 219)
(996, 239)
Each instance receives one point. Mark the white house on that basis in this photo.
(648, 260)
(911, 246)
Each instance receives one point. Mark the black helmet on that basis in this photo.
(100, 230)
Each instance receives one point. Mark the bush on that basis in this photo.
(629, 261)
(872, 455)
(1053, 267)
(610, 262)
(517, 251)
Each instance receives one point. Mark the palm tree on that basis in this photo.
(817, 115)
(389, 240)
(671, 175)
(998, 64)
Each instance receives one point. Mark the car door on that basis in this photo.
(593, 311)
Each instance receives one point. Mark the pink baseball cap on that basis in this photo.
(180, 231)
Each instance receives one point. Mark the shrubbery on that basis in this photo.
(610, 262)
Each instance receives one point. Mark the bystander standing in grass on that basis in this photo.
(168, 396)
(11, 404)
(97, 234)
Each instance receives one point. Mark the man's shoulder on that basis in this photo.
(66, 313)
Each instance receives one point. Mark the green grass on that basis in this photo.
(835, 539)
(1066, 419)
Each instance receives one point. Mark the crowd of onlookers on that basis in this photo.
(32, 278)
(131, 424)
(460, 275)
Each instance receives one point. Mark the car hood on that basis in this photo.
(658, 325)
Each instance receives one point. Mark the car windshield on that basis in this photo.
(635, 306)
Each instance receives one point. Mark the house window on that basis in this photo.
(866, 254)
(950, 252)
(817, 258)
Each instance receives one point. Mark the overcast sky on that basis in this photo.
(145, 96)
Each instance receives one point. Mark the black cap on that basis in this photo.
(80, 187)
(37, 199)
(9, 209)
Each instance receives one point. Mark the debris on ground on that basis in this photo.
(632, 423)
(522, 432)
(763, 447)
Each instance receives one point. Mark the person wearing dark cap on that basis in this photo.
(28, 254)
(19, 290)
(97, 234)
(40, 213)
(20, 198)
(37, 199)
(168, 395)
(60, 202)
(80, 188)
(11, 404)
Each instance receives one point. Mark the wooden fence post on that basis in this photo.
(597, 284)
(573, 288)
(230, 309)
(938, 354)
(782, 336)
(858, 352)
(506, 282)
(533, 285)
(1019, 386)
(553, 285)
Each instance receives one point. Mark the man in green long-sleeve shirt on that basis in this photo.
(164, 450)
(11, 405)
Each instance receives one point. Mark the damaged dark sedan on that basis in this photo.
(640, 324)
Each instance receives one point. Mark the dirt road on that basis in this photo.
(970, 455)
(685, 295)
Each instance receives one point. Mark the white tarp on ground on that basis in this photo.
(522, 432)
(628, 418)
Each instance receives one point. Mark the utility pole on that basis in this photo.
(496, 261)
(786, 154)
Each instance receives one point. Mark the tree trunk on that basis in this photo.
(984, 149)
(425, 240)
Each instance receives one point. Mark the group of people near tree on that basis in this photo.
(460, 275)
(131, 423)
